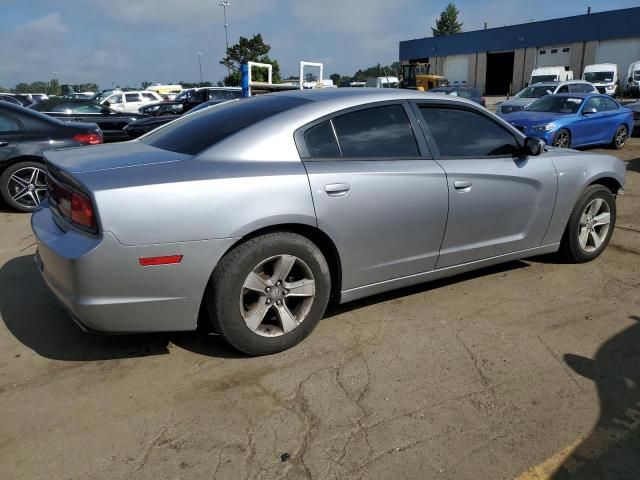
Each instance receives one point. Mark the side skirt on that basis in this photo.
(374, 288)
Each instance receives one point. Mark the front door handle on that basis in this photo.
(337, 189)
(462, 185)
(4, 144)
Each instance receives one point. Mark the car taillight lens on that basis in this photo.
(88, 138)
(82, 211)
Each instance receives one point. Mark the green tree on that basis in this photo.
(249, 50)
(335, 78)
(144, 85)
(448, 23)
(88, 87)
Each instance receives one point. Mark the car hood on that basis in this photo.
(110, 157)
(533, 118)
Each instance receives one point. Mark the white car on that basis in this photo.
(130, 102)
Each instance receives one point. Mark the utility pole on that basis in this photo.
(200, 63)
(224, 6)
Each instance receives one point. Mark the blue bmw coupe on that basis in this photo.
(571, 120)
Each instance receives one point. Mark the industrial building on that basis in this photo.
(500, 60)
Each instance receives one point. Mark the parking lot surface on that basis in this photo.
(528, 370)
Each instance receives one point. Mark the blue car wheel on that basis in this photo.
(562, 138)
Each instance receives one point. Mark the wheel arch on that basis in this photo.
(19, 159)
(609, 182)
(326, 245)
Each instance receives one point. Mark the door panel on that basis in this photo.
(497, 205)
(387, 217)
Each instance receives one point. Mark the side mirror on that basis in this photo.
(589, 111)
(533, 146)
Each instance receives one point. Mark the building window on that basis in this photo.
(566, 49)
(542, 52)
(554, 50)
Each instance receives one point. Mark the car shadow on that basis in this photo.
(634, 165)
(35, 318)
(612, 449)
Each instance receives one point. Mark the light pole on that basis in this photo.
(224, 6)
(200, 63)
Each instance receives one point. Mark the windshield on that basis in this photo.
(535, 92)
(598, 77)
(543, 78)
(555, 104)
(183, 95)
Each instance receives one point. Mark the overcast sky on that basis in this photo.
(129, 41)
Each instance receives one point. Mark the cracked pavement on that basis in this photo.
(464, 378)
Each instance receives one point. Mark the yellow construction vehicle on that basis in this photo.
(416, 76)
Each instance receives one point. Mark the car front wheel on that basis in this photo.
(23, 185)
(562, 139)
(269, 293)
(590, 225)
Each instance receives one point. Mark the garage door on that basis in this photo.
(559, 56)
(621, 52)
(456, 69)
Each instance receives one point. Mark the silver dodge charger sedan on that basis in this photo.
(247, 218)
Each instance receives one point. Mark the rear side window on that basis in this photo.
(464, 133)
(7, 124)
(131, 97)
(376, 132)
(321, 142)
(200, 130)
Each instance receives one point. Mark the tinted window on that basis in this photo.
(321, 142)
(563, 89)
(7, 124)
(200, 130)
(60, 108)
(88, 108)
(132, 97)
(376, 132)
(610, 104)
(199, 96)
(463, 133)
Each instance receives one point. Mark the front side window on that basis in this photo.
(7, 124)
(563, 89)
(117, 98)
(610, 104)
(596, 103)
(131, 97)
(376, 133)
(61, 108)
(464, 133)
(88, 108)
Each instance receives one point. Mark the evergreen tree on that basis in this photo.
(448, 23)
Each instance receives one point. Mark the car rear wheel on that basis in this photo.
(269, 293)
(23, 185)
(562, 138)
(590, 225)
(620, 137)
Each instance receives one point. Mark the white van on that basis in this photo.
(383, 82)
(633, 79)
(130, 102)
(550, 74)
(603, 76)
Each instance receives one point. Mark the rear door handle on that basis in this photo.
(4, 144)
(337, 189)
(462, 185)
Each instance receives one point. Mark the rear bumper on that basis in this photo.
(104, 288)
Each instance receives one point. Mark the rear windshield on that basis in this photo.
(198, 131)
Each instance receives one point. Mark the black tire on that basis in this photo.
(8, 187)
(562, 138)
(570, 247)
(223, 298)
(620, 137)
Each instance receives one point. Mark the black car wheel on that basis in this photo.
(562, 138)
(23, 185)
(269, 293)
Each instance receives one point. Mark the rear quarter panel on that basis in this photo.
(576, 171)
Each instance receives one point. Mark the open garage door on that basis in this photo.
(456, 69)
(499, 73)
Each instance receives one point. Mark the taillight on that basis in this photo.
(88, 138)
(82, 211)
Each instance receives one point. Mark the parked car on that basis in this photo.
(635, 108)
(189, 98)
(550, 74)
(147, 124)
(603, 76)
(633, 79)
(10, 99)
(24, 136)
(530, 94)
(129, 102)
(24, 100)
(111, 122)
(470, 93)
(570, 120)
(252, 214)
(80, 95)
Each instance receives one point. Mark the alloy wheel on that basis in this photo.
(562, 140)
(621, 137)
(27, 186)
(594, 225)
(277, 295)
